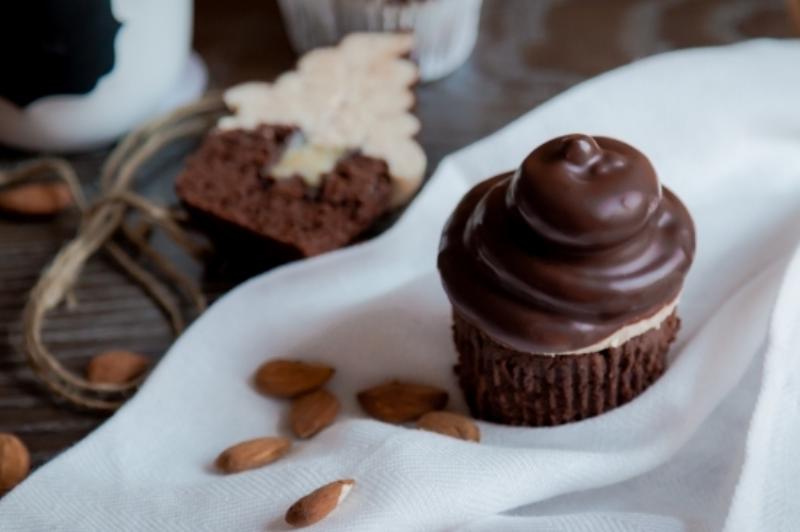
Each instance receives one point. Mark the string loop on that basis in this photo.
(103, 224)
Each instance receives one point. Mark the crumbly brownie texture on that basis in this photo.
(227, 180)
(516, 388)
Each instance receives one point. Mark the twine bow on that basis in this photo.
(101, 222)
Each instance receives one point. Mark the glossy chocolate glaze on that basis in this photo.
(578, 242)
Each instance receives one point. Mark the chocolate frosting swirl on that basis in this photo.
(577, 243)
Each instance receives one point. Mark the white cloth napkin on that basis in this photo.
(711, 445)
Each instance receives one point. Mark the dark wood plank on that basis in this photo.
(528, 51)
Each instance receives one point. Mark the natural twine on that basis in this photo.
(101, 222)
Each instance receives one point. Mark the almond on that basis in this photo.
(315, 506)
(400, 402)
(116, 367)
(15, 462)
(450, 424)
(290, 378)
(313, 412)
(36, 199)
(252, 454)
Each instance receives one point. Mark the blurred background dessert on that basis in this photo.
(445, 31)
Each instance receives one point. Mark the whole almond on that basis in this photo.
(400, 402)
(36, 199)
(290, 378)
(313, 412)
(450, 424)
(116, 367)
(252, 454)
(315, 506)
(15, 462)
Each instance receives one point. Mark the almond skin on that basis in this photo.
(315, 506)
(15, 462)
(401, 402)
(252, 454)
(290, 378)
(450, 424)
(313, 412)
(36, 199)
(116, 367)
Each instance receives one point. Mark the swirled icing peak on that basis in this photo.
(579, 242)
(615, 187)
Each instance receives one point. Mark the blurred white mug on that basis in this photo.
(77, 74)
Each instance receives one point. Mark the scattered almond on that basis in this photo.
(15, 462)
(116, 367)
(319, 503)
(313, 412)
(252, 454)
(450, 424)
(400, 402)
(290, 378)
(36, 199)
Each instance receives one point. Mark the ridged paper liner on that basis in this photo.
(516, 388)
(445, 31)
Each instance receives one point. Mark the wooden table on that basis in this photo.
(529, 50)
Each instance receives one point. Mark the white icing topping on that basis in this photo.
(352, 97)
(368, 45)
(628, 332)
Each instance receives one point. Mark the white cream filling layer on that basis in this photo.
(626, 333)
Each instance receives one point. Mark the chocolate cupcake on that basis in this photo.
(564, 278)
(445, 31)
(308, 163)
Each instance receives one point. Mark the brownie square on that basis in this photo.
(226, 183)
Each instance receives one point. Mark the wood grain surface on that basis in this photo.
(528, 51)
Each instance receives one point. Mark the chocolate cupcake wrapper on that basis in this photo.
(516, 388)
(445, 30)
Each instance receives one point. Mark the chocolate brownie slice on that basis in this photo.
(228, 180)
